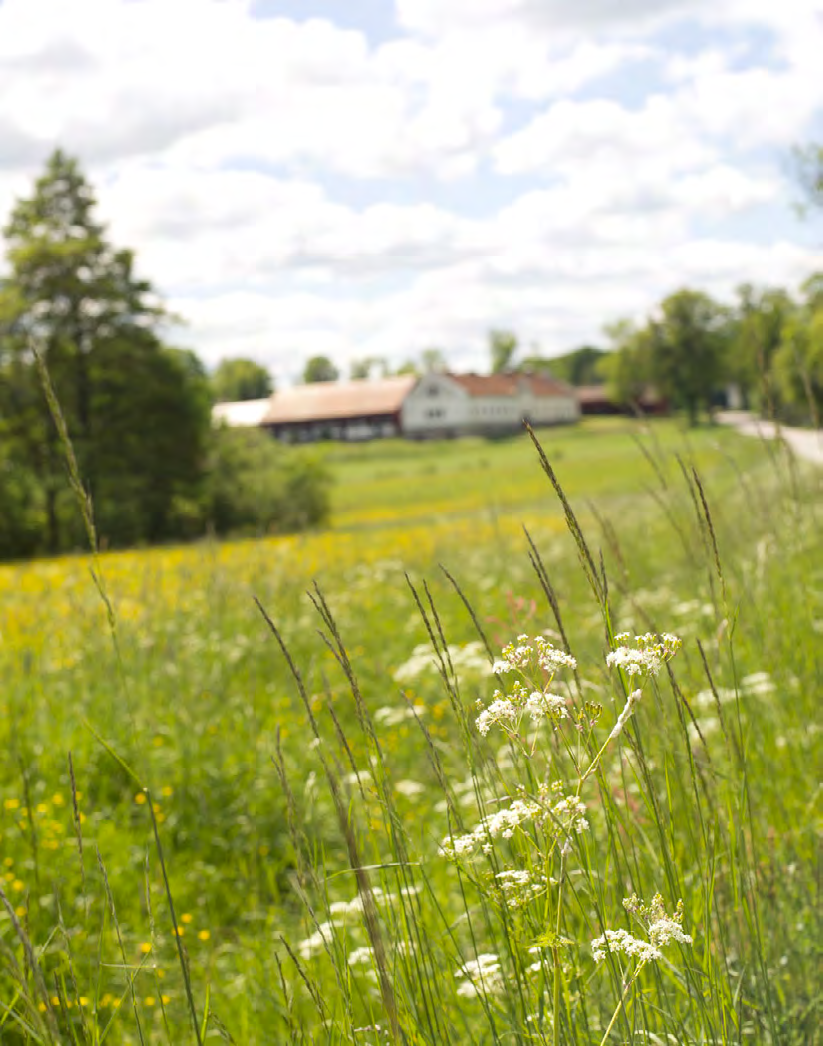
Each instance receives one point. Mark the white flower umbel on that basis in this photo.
(647, 656)
(615, 941)
(481, 976)
(502, 823)
(360, 957)
(467, 660)
(518, 886)
(530, 652)
(569, 815)
(661, 928)
(537, 661)
(503, 711)
(542, 705)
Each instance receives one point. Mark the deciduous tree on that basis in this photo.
(689, 338)
(320, 368)
(502, 347)
(628, 366)
(134, 412)
(241, 379)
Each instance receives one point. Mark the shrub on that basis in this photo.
(257, 486)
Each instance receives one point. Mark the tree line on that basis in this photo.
(765, 350)
(74, 315)
(767, 347)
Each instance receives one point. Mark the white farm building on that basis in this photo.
(437, 405)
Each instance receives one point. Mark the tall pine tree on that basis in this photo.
(137, 417)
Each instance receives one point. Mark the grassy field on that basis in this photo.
(202, 777)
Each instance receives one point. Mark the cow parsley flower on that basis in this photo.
(660, 926)
(542, 705)
(529, 653)
(519, 886)
(501, 823)
(622, 941)
(647, 656)
(481, 976)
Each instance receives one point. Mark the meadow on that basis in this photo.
(200, 842)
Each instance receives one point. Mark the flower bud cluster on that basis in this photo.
(647, 656)
(537, 661)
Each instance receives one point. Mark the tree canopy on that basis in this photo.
(810, 168)
(502, 347)
(241, 379)
(319, 368)
(360, 369)
(138, 413)
(583, 366)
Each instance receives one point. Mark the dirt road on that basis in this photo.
(806, 443)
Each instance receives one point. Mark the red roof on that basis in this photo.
(511, 384)
(348, 399)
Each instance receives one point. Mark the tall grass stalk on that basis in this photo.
(316, 788)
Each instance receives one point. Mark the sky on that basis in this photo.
(363, 178)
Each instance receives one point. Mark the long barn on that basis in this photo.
(436, 405)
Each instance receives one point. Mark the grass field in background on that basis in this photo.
(184, 691)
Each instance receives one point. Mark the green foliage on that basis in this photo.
(502, 347)
(583, 366)
(432, 359)
(628, 367)
(757, 330)
(704, 796)
(798, 362)
(240, 379)
(409, 367)
(768, 345)
(810, 172)
(23, 510)
(363, 368)
(136, 412)
(256, 485)
(688, 338)
(320, 368)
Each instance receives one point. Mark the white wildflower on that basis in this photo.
(409, 788)
(758, 683)
(667, 929)
(394, 715)
(469, 659)
(514, 877)
(570, 814)
(706, 698)
(622, 941)
(647, 656)
(541, 705)
(481, 976)
(530, 651)
(661, 927)
(502, 823)
(507, 710)
(360, 957)
(519, 886)
(320, 939)
(502, 710)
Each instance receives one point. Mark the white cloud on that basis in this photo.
(233, 227)
(217, 144)
(441, 16)
(575, 136)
